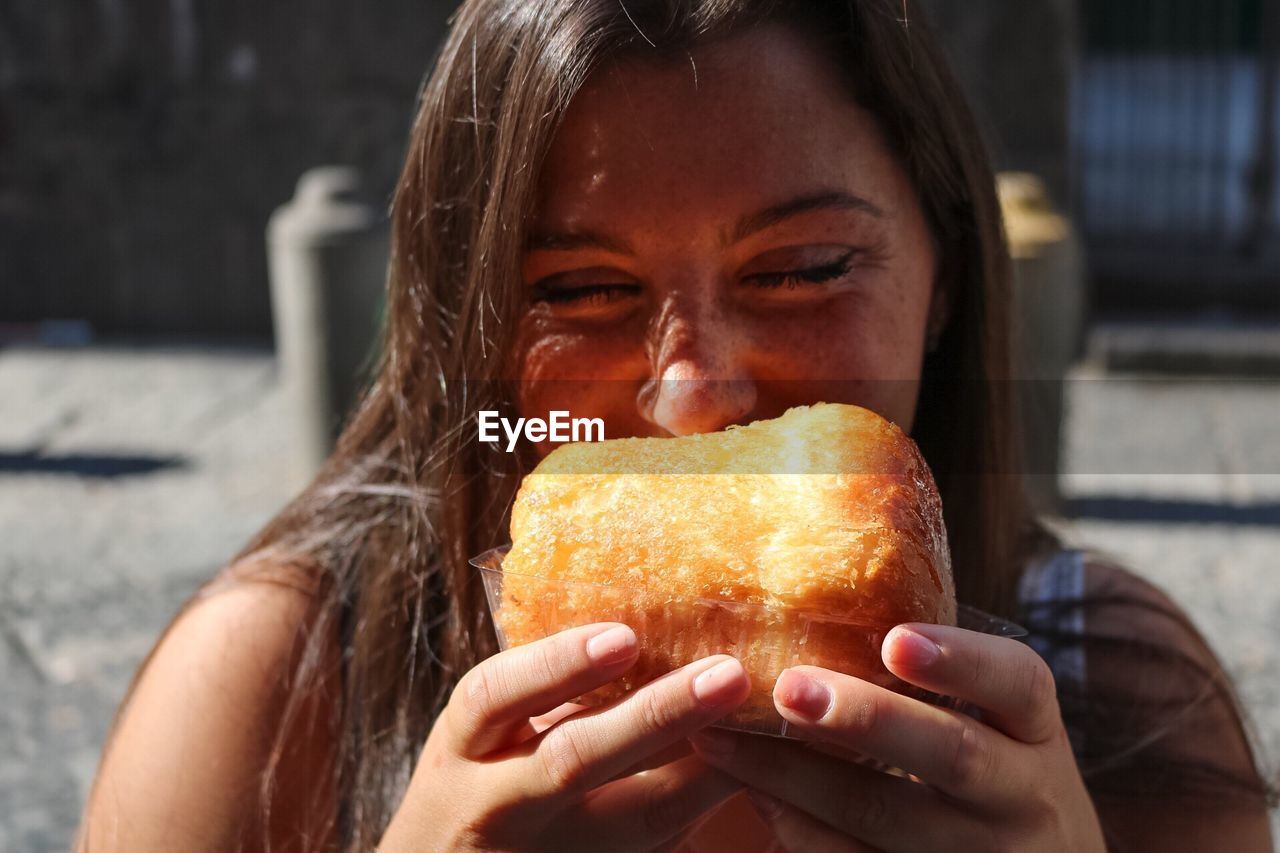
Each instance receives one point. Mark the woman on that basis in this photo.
(676, 216)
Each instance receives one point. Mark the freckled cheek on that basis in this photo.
(842, 354)
(833, 341)
(574, 356)
(586, 373)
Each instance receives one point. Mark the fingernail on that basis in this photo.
(807, 696)
(910, 650)
(612, 646)
(721, 684)
(768, 807)
(714, 744)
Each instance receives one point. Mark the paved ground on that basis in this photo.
(126, 476)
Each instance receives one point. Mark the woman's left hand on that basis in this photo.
(1009, 782)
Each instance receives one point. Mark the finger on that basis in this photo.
(1006, 679)
(952, 752)
(654, 807)
(590, 748)
(799, 831)
(885, 811)
(495, 699)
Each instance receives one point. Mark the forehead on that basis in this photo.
(751, 119)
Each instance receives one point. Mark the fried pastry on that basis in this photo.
(801, 539)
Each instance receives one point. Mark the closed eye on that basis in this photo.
(583, 294)
(791, 279)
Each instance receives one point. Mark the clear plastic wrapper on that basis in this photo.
(674, 631)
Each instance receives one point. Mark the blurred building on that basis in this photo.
(144, 143)
(1015, 61)
(1175, 151)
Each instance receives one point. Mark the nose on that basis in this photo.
(699, 376)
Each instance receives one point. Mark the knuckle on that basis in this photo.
(543, 659)
(562, 760)
(981, 666)
(1042, 691)
(474, 834)
(494, 828)
(970, 757)
(663, 809)
(653, 711)
(867, 813)
(1042, 812)
(477, 691)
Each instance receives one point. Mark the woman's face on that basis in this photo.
(718, 239)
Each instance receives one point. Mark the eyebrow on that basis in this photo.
(571, 240)
(746, 226)
(771, 216)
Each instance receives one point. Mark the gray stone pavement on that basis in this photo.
(128, 475)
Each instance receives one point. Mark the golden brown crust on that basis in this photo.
(829, 510)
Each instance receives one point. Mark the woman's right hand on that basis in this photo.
(510, 765)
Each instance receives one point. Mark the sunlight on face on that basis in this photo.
(714, 246)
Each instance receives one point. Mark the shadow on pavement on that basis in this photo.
(93, 465)
(1174, 511)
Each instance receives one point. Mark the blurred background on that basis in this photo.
(170, 368)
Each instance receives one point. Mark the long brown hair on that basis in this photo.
(409, 495)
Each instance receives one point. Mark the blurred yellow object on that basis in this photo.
(1030, 221)
(1049, 313)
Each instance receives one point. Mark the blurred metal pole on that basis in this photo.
(1049, 312)
(328, 256)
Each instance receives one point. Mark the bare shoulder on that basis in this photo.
(211, 707)
(1145, 656)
